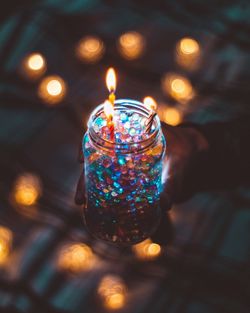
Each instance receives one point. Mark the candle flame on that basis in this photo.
(108, 109)
(111, 79)
(150, 103)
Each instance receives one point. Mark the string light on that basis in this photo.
(27, 189)
(76, 258)
(188, 53)
(131, 45)
(147, 250)
(112, 292)
(5, 243)
(90, 49)
(33, 66)
(178, 87)
(52, 89)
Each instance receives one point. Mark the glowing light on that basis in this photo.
(33, 66)
(172, 116)
(5, 244)
(76, 258)
(131, 45)
(178, 87)
(150, 103)
(188, 53)
(27, 189)
(52, 89)
(112, 291)
(90, 49)
(111, 79)
(108, 109)
(189, 46)
(147, 250)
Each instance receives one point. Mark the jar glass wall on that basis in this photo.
(123, 174)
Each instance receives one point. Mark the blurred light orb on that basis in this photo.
(75, 258)
(112, 291)
(188, 46)
(150, 103)
(34, 66)
(27, 189)
(188, 53)
(52, 89)
(172, 116)
(178, 87)
(6, 238)
(147, 250)
(90, 49)
(131, 45)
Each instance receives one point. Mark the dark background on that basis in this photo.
(205, 262)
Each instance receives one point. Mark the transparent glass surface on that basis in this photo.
(123, 174)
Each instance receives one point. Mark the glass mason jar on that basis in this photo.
(123, 176)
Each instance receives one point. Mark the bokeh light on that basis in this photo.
(76, 257)
(131, 45)
(147, 250)
(188, 53)
(170, 115)
(27, 189)
(33, 66)
(90, 49)
(150, 103)
(178, 87)
(52, 89)
(112, 291)
(6, 238)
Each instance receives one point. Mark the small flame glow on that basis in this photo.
(111, 79)
(108, 109)
(150, 103)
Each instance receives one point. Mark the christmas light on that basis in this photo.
(5, 243)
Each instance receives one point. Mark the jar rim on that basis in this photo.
(128, 146)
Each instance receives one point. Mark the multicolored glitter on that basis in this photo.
(123, 175)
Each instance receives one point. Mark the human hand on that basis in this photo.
(183, 144)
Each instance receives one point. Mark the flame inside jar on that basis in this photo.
(123, 174)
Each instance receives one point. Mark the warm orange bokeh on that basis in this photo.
(33, 66)
(112, 291)
(52, 90)
(147, 250)
(27, 189)
(131, 45)
(178, 87)
(76, 257)
(90, 49)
